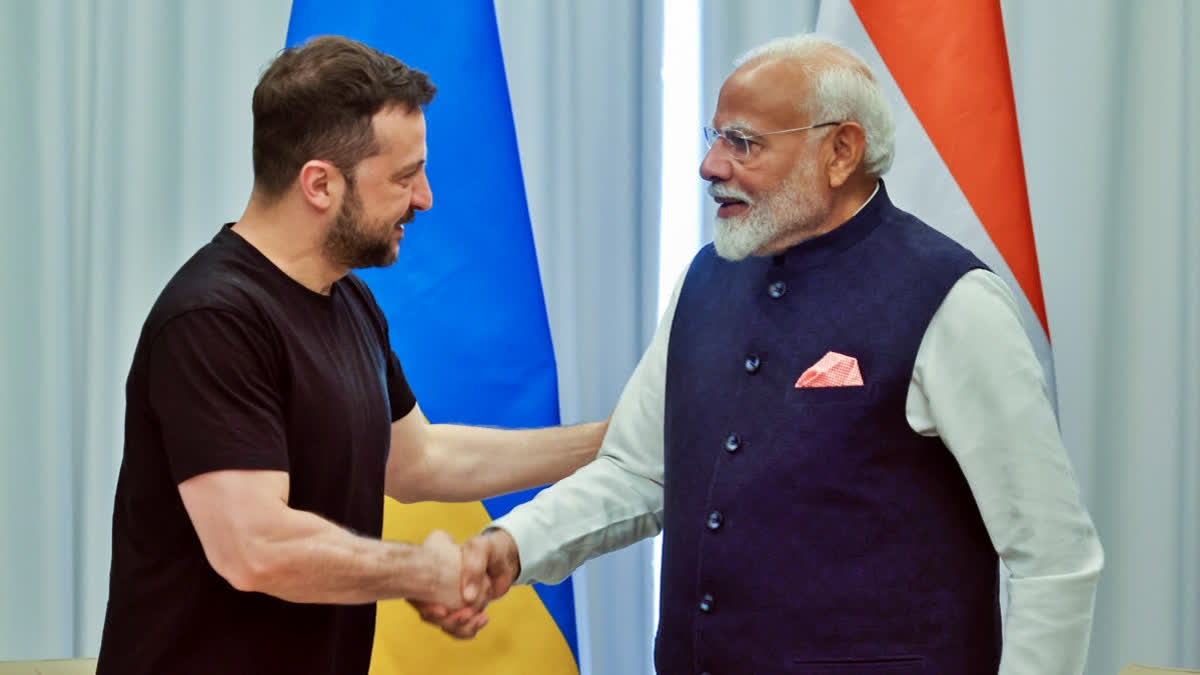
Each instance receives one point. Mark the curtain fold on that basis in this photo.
(126, 135)
(1110, 122)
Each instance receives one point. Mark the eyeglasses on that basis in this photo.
(739, 143)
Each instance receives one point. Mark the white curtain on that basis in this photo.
(125, 131)
(1108, 101)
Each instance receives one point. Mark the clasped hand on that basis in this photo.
(487, 566)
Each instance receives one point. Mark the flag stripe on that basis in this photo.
(521, 637)
(958, 84)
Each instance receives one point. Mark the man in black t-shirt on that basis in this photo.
(267, 417)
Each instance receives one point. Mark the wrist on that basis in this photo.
(507, 553)
(436, 563)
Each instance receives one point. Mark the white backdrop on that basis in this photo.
(125, 126)
(1108, 100)
(125, 131)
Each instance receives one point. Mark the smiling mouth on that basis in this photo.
(729, 206)
(406, 218)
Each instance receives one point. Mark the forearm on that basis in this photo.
(312, 560)
(614, 501)
(601, 508)
(464, 463)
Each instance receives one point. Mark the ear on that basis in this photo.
(321, 184)
(847, 144)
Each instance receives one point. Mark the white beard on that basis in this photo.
(794, 206)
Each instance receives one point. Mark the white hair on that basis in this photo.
(841, 89)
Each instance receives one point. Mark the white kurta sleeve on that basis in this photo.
(615, 500)
(978, 385)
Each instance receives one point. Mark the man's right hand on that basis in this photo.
(450, 571)
(491, 562)
(498, 548)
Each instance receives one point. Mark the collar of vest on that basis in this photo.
(820, 249)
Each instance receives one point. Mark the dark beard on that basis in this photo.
(356, 244)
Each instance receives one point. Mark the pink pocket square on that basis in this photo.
(833, 370)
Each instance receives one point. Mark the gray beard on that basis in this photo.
(772, 217)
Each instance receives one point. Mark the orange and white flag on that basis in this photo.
(944, 67)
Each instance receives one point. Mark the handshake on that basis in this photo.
(466, 579)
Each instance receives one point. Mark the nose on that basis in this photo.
(422, 194)
(716, 165)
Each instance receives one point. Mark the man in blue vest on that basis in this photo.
(840, 425)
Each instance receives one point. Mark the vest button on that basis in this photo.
(733, 443)
(714, 520)
(752, 363)
(706, 603)
(776, 289)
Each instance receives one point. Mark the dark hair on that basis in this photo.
(316, 101)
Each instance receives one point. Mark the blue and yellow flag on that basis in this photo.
(466, 312)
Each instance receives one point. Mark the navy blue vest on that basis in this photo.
(810, 530)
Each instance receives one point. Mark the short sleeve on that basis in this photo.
(214, 390)
(399, 394)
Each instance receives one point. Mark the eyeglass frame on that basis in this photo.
(724, 135)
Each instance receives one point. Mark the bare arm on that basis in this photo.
(254, 540)
(452, 463)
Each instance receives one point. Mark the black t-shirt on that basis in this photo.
(241, 367)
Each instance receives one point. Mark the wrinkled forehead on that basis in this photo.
(762, 95)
